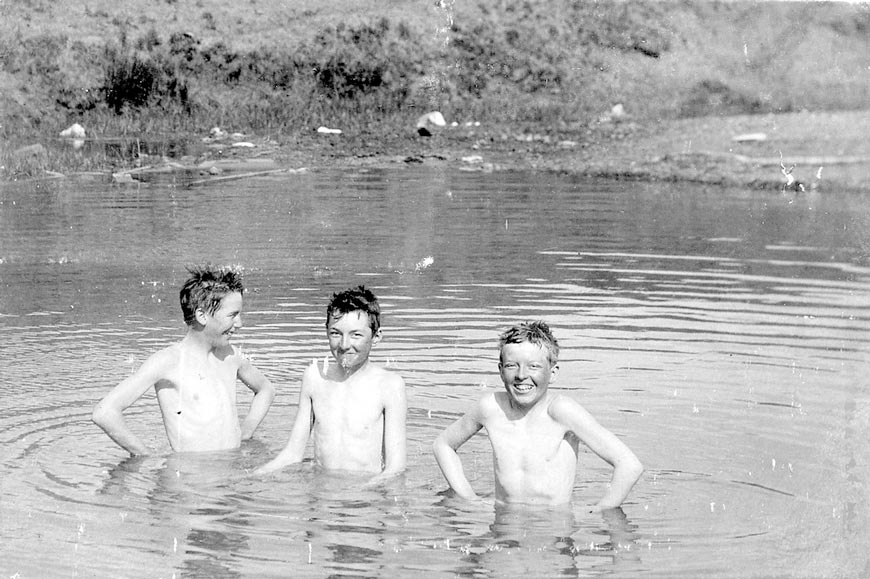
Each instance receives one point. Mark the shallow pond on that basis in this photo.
(722, 334)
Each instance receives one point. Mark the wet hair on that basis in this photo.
(537, 333)
(206, 287)
(355, 299)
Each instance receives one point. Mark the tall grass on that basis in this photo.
(554, 63)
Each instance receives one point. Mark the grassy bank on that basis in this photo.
(278, 71)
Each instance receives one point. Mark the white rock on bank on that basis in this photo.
(426, 123)
(76, 135)
(74, 131)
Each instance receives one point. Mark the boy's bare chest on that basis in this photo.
(347, 403)
(195, 382)
(541, 437)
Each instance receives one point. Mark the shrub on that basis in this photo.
(348, 62)
(157, 77)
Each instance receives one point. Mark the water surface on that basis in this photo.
(722, 334)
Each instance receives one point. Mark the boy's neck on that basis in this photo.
(342, 374)
(195, 341)
(521, 411)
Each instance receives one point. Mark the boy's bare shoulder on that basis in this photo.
(314, 374)
(492, 404)
(166, 359)
(566, 410)
(386, 376)
(561, 402)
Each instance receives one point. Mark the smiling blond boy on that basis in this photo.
(535, 434)
(354, 409)
(195, 378)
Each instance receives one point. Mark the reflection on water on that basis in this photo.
(721, 334)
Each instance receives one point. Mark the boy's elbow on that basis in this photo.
(267, 391)
(636, 468)
(438, 446)
(101, 416)
(442, 449)
(270, 392)
(628, 468)
(106, 416)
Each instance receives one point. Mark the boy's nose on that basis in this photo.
(237, 323)
(345, 342)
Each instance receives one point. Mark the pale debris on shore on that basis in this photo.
(426, 123)
(749, 138)
(76, 135)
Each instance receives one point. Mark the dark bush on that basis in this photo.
(366, 59)
(136, 80)
(130, 82)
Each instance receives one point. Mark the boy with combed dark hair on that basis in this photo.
(354, 409)
(535, 434)
(195, 379)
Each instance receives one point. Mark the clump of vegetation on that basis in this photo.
(345, 68)
(552, 64)
(496, 49)
(352, 62)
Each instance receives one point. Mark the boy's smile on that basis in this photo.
(526, 372)
(351, 340)
(225, 320)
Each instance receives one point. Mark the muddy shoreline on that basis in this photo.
(821, 152)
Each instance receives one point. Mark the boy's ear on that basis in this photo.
(200, 316)
(554, 371)
(376, 337)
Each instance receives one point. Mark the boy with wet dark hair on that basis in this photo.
(355, 299)
(354, 409)
(195, 378)
(534, 433)
(206, 287)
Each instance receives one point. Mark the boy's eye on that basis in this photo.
(510, 366)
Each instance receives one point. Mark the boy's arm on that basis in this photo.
(108, 413)
(626, 466)
(264, 394)
(395, 415)
(445, 447)
(294, 451)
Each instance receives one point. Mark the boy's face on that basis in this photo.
(526, 372)
(351, 339)
(225, 320)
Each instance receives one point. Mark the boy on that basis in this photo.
(354, 409)
(195, 379)
(534, 433)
